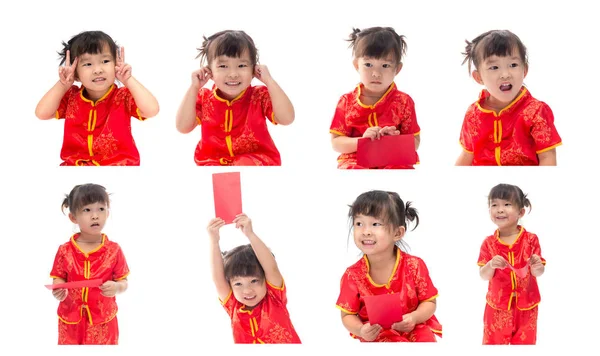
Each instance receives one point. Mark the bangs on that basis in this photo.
(233, 45)
(502, 44)
(242, 262)
(504, 192)
(93, 42)
(376, 204)
(378, 45)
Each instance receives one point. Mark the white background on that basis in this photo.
(160, 210)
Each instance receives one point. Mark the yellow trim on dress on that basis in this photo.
(346, 311)
(392, 86)
(548, 148)
(223, 302)
(396, 264)
(336, 133)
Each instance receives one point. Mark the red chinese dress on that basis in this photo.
(86, 316)
(352, 118)
(267, 323)
(511, 310)
(514, 136)
(235, 132)
(98, 133)
(410, 278)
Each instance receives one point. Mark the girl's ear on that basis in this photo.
(477, 77)
(355, 63)
(521, 213)
(526, 70)
(72, 218)
(399, 233)
(398, 68)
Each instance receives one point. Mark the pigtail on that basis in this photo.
(65, 204)
(525, 203)
(353, 37)
(411, 214)
(62, 55)
(401, 43)
(203, 50)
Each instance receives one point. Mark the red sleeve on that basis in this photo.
(484, 253)
(61, 112)
(543, 130)
(338, 124)
(199, 101)
(426, 291)
(130, 105)
(535, 248)
(120, 270)
(229, 304)
(409, 124)
(466, 136)
(349, 299)
(277, 293)
(58, 268)
(265, 103)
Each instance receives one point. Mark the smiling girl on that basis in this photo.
(233, 113)
(251, 288)
(97, 114)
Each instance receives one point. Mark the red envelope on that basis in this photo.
(520, 272)
(384, 309)
(398, 150)
(228, 195)
(90, 283)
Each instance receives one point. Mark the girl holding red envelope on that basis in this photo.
(233, 114)
(250, 288)
(379, 222)
(511, 260)
(88, 315)
(375, 107)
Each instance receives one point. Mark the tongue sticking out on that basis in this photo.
(506, 87)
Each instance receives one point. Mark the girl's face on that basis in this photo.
(232, 75)
(248, 290)
(372, 236)
(505, 214)
(376, 74)
(91, 218)
(502, 77)
(96, 72)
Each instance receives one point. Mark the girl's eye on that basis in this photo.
(86, 210)
(237, 284)
(386, 66)
(368, 65)
(106, 61)
(358, 223)
(85, 64)
(493, 67)
(376, 224)
(514, 65)
(242, 66)
(254, 281)
(101, 209)
(222, 66)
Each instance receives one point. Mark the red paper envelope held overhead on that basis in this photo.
(90, 283)
(397, 150)
(384, 309)
(227, 192)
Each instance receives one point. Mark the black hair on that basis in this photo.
(227, 43)
(90, 42)
(494, 43)
(85, 194)
(377, 42)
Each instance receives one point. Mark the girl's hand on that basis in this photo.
(535, 261)
(109, 288)
(60, 294)
(370, 332)
(389, 131)
(244, 223)
(66, 73)
(201, 77)
(373, 133)
(261, 72)
(122, 70)
(406, 325)
(498, 262)
(213, 228)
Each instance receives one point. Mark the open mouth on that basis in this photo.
(505, 87)
(250, 298)
(95, 225)
(99, 80)
(368, 242)
(233, 84)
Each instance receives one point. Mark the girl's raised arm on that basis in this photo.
(186, 114)
(46, 108)
(216, 259)
(282, 106)
(144, 100)
(263, 254)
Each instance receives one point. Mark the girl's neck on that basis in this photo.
(383, 259)
(95, 96)
(509, 234)
(89, 238)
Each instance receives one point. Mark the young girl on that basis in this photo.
(376, 107)
(232, 114)
(251, 288)
(379, 222)
(97, 114)
(506, 126)
(511, 311)
(89, 315)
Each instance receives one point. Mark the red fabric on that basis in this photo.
(503, 327)
(98, 133)
(515, 137)
(352, 118)
(505, 282)
(87, 334)
(235, 132)
(267, 323)
(410, 278)
(107, 262)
